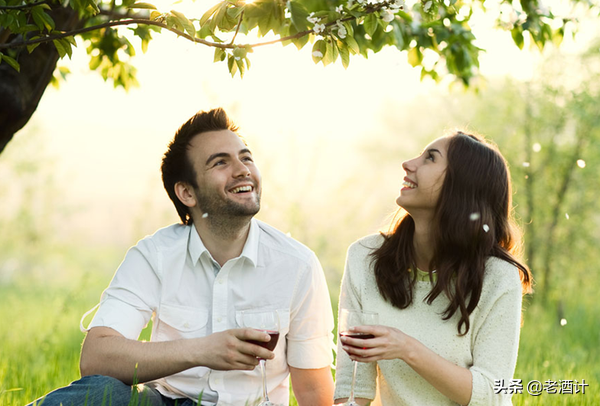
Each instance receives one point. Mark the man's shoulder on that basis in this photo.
(273, 239)
(167, 237)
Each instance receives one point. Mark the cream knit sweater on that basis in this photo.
(489, 349)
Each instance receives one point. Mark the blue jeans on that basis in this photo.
(99, 390)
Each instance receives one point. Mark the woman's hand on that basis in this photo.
(388, 343)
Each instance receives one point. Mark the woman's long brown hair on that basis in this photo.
(472, 222)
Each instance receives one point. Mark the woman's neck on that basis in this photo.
(423, 245)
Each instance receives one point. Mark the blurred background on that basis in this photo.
(81, 183)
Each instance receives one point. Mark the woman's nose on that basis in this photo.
(409, 166)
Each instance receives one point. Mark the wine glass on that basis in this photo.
(267, 321)
(354, 318)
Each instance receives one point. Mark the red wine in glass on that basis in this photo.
(269, 345)
(353, 318)
(361, 336)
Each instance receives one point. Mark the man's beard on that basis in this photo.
(213, 206)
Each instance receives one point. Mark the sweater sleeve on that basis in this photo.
(357, 264)
(496, 342)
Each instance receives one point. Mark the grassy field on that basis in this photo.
(40, 338)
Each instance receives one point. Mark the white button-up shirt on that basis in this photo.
(172, 278)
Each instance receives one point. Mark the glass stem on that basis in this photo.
(351, 400)
(263, 370)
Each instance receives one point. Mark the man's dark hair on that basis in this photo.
(176, 165)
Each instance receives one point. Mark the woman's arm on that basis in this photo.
(451, 380)
(350, 298)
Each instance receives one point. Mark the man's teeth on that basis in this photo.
(242, 189)
(409, 184)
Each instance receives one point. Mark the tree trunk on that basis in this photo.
(21, 92)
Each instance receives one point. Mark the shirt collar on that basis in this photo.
(196, 247)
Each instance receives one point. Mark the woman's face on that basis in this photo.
(424, 178)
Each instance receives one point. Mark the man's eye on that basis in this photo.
(248, 159)
(221, 162)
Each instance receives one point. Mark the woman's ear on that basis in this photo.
(185, 194)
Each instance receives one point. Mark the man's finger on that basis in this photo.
(249, 334)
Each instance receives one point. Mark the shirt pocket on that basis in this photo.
(181, 322)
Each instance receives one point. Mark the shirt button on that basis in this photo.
(219, 319)
(186, 325)
(220, 281)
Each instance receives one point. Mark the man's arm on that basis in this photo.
(312, 387)
(107, 352)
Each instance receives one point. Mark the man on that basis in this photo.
(195, 279)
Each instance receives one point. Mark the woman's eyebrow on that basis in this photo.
(430, 150)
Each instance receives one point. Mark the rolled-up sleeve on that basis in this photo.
(350, 298)
(310, 338)
(133, 294)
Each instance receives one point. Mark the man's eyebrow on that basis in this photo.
(226, 155)
(217, 155)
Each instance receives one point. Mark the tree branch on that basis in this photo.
(24, 6)
(237, 28)
(174, 30)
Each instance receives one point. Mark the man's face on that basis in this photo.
(228, 180)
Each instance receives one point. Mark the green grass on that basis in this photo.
(40, 338)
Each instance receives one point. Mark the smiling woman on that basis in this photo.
(448, 285)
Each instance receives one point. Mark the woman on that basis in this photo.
(446, 283)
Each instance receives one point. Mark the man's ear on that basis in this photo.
(185, 194)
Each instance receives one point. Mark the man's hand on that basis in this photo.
(106, 352)
(230, 349)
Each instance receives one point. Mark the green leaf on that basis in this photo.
(146, 6)
(298, 15)
(41, 19)
(95, 62)
(371, 23)
(68, 47)
(31, 47)
(220, 14)
(415, 56)
(517, 35)
(240, 64)
(71, 40)
(331, 53)
(344, 54)
(208, 14)
(319, 51)
(173, 22)
(231, 65)
(187, 24)
(62, 51)
(12, 62)
(219, 55)
(352, 44)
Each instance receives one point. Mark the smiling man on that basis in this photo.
(194, 280)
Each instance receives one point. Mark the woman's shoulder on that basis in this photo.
(366, 245)
(501, 274)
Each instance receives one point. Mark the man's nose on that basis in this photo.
(241, 170)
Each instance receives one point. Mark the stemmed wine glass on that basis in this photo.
(267, 321)
(354, 318)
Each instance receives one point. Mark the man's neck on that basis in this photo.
(223, 238)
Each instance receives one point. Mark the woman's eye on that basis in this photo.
(430, 156)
